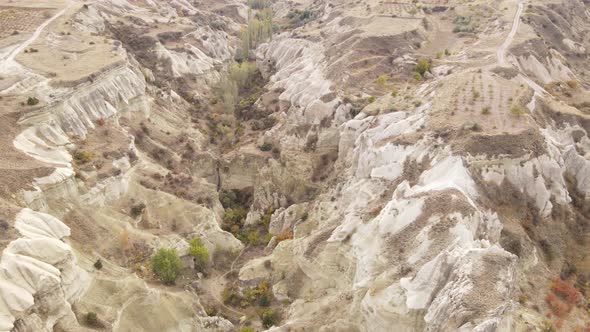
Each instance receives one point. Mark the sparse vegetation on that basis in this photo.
(485, 110)
(98, 264)
(166, 265)
(517, 110)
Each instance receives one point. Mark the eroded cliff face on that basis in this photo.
(390, 166)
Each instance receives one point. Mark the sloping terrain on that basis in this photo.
(305, 165)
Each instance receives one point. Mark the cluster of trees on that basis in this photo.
(166, 262)
(258, 30)
(240, 76)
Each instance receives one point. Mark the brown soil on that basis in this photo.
(17, 170)
(518, 145)
(21, 20)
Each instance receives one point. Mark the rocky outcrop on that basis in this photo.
(39, 271)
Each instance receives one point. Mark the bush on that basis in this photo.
(137, 209)
(422, 66)
(562, 297)
(231, 296)
(235, 215)
(565, 290)
(98, 264)
(199, 252)
(284, 236)
(265, 147)
(485, 110)
(517, 110)
(372, 99)
(166, 265)
(246, 329)
(92, 318)
(82, 156)
(269, 317)
(252, 238)
(300, 16)
(218, 25)
(382, 80)
(32, 101)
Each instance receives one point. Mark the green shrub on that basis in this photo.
(92, 318)
(231, 296)
(137, 209)
(463, 24)
(517, 110)
(300, 16)
(218, 25)
(267, 238)
(417, 76)
(485, 110)
(372, 99)
(259, 295)
(265, 147)
(264, 300)
(252, 238)
(166, 265)
(382, 80)
(422, 66)
(199, 252)
(32, 101)
(269, 317)
(246, 329)
(235, 215)
(82, 157)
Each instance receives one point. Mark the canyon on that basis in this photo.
(306, 165)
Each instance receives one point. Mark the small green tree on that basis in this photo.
(32, 101)
(92, 318)
(422, 66)
(199, 253)
(166, 265)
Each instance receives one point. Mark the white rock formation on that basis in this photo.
(39, 263)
